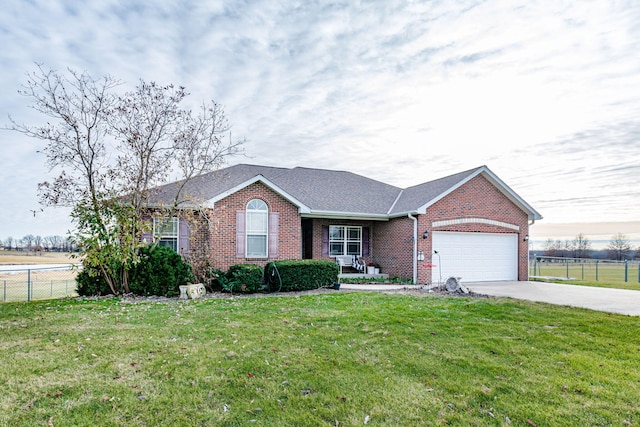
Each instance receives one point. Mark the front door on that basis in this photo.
(307, 238)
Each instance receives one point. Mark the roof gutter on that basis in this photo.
(415, 248)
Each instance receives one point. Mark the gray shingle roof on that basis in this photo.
(338, 191)
(328, 192)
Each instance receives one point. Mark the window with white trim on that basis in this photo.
(257, 229)
(345, 240)
(166, 231)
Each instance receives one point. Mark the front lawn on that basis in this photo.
(329, 359)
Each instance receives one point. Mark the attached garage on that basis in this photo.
(475, 257)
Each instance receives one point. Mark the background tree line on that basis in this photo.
(619, 248)
(38, 243)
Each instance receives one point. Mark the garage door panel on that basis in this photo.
(476, 257)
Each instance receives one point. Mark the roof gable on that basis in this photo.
(302, 208)
(418, 198)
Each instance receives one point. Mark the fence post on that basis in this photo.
(4, 298)
(51, 293)
(582, 265)
(567, 264)
(626, 270)
(596, 270)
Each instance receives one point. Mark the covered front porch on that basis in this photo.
(368, 242)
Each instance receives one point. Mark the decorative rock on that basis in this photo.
(453, 285)
(195, 291)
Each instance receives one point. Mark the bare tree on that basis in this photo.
(49, 243)
(581, 246)
(567, 248)
(27, 241)
(55, 243)
(37, 243)
(9, 242)
(619, 247)
(550, 248)
(152, 136)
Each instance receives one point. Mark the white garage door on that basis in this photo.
(475, 257)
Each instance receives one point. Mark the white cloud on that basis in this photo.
(547, 95)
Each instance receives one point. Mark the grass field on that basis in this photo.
(318, 360)
(16, 257)
(606, 275)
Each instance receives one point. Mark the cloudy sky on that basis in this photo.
(546, 94)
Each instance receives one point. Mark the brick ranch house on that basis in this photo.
(257, 214)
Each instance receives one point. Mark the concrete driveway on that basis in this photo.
(620, 301)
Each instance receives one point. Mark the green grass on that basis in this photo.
(317, 360)
(607, 275)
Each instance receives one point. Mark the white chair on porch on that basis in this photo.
(358, 264)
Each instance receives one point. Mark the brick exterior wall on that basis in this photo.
(478, 198)
(393, 242)
(222, 254)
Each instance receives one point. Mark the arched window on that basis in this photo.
(257, 230)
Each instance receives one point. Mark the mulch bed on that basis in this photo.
(434, 292)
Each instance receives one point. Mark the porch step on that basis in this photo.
(362, 276)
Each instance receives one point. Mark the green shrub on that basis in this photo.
(160, 272)
(245, 278)
(216, 279)
(301, 275)
(91, 283)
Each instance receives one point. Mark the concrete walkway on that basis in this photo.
(377, 287)
(619, 301)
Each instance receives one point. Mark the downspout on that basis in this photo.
(415, 248)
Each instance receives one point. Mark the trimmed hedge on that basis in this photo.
(245, 278)
(161, 271)
(301, 275)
